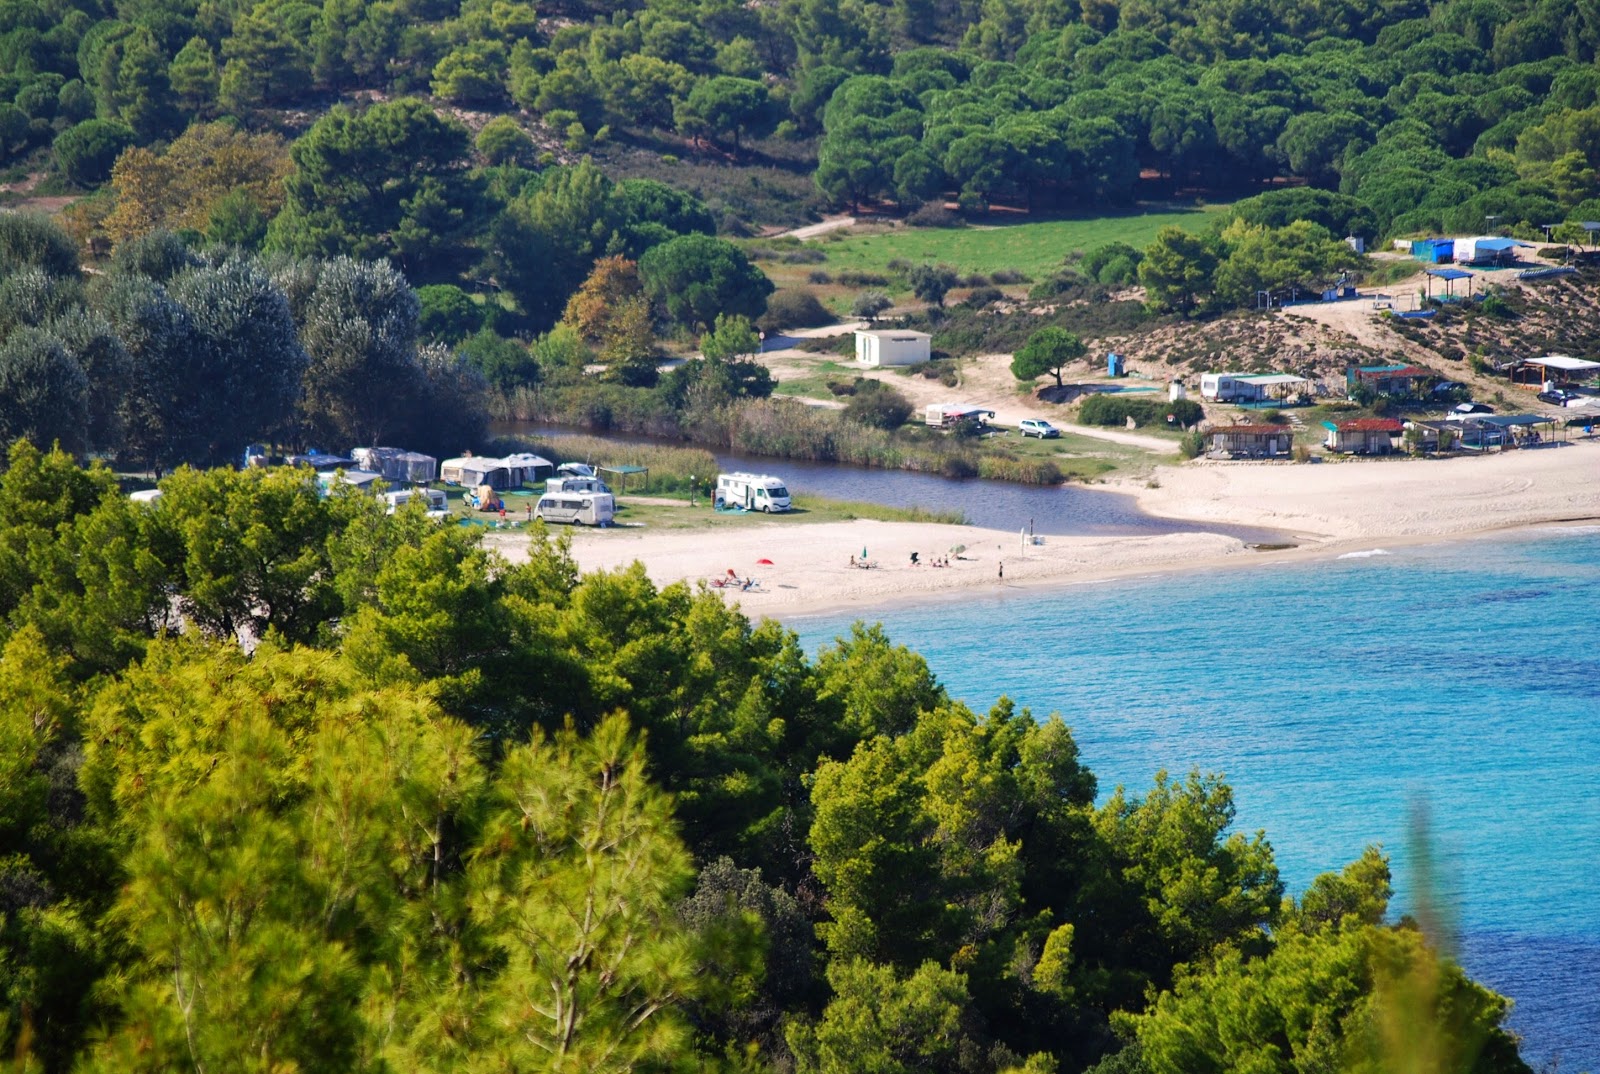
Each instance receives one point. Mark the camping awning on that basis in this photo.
(1562, 362)
(1506, 421)
(1499, 244)
(1270, 379)
(1449, 274)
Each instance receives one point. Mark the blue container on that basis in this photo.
(1116, 366)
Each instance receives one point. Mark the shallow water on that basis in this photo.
(1337, 696)
(1065, 510)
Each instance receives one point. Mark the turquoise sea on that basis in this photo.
(1338, 698)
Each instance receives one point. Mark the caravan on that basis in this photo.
(435, 502)
(580, 508)
(576, 484)
(752, 492)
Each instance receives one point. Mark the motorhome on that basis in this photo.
(580, 508)
(575, 469)
(576, 484)
(434, 500)
(753, 492)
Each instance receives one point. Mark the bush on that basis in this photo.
(1010, 277)
(854, 278)
(869, 304)
(1111, 264)
(898, 264)
(818, 276)
(793, 309)
(977, 279)
(806, 255)
(878, 405)
(1192, 444)
(1117, 409)
(933, 215)
(983, 296)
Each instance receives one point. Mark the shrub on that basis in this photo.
(983, 296)
(806, 255)
(977, 279)
(855, 278)
(934, 215)
(794, 309)
(818, 276)
(869, 304)
(1192, 444)
(898, 264)
(1010, 277)
(1117, 409)
(1271, 417)
(878, 405)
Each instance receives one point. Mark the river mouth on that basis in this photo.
(1049, 510)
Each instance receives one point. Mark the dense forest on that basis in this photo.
(445, 136)
(288, 783)
(519, 164)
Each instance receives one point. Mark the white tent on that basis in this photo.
(527, 468)
(475, 470)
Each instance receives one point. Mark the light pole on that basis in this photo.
(691, 490)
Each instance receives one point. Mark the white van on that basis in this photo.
(434, 500)
(576, 484)
(753, 492)
(581, 508)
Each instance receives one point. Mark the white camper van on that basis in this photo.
(582, 508)
(753, 492)
(435, 502)
(576, 484)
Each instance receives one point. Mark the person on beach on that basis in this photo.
(913, 559)
(1002, 570)
(852, 559)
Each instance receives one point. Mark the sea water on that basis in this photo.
(1341, 699)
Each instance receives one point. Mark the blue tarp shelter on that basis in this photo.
(1433, 251)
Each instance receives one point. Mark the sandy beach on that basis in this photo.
(1324, 509)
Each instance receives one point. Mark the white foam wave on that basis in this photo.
(1368, 554)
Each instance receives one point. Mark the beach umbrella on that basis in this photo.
(863, 551)
(764, 563)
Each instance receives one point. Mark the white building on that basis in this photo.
(887, 347)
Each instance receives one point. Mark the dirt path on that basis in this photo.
(811, 231)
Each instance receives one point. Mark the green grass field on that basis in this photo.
(1036, 247)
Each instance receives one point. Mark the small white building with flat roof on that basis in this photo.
(880, 347)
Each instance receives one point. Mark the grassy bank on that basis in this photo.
(777, 428)
(1036, 247)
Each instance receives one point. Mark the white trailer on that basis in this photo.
(944, 415)
(578, 508)
(753, 492)
(435, 502)
(1219, 387)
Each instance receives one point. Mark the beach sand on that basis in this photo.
(1324, 509)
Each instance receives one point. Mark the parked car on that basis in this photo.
(1557, 397)
(1038, 427)
(1445, 386)
(1465, 409)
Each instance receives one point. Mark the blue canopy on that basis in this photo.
(1450, 273)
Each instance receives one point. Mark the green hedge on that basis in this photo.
(1117, 409)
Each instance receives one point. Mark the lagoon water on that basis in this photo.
(1337, 697)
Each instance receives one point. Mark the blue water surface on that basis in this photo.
(1337, 698)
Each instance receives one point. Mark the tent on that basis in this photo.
(475, 470)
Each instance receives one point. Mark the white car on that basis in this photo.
(1038, 427)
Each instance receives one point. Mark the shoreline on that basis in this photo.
(1331, 510)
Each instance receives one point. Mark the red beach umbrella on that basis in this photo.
(764, 563)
